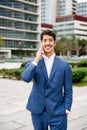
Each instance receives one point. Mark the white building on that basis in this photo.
(20, 25)
(67, 26)
(50, 9)
(66, 7)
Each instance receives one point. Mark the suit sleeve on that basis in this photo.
(28, 73)
(68, 90)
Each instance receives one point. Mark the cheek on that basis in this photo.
(43, 44)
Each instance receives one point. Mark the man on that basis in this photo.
(51, 96)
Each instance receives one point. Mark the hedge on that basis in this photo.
(11, 73)
(23, 64)
(82, 63)
(78, 75)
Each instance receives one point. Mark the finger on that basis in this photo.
(41, 47)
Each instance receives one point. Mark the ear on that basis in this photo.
(55, 43)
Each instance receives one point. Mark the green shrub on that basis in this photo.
(84, 69)
(23, 64)
(17, 73)
(82, 63)
(78, 75)
(4, 71)
(79, 64)
(11, 73)
(73, 64)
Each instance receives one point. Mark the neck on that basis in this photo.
(48, 54)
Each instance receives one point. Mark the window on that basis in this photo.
(5, 23)
(30, 8)
(6, 3)
(18, 25)
(18, 15)
(30, 17)
(6, 13)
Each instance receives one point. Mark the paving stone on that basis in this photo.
(14, 116)
(2, 127)
(78, 124)
(10, 126)
(29, 127)
(11, 110)
(25, 120)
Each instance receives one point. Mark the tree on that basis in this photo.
(71, 46)
(63, 46)
(83, 46)
(75, 46)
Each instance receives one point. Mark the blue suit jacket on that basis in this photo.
(55, 92)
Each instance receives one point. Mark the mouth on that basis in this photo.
(48, 46)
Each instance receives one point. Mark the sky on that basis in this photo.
(81, 1)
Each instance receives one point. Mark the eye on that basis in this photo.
(44, 40)
(50, 40)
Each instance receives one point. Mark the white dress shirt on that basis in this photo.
(49, 63)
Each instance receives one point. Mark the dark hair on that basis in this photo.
(48, 32)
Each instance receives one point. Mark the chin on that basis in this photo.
(48, 51)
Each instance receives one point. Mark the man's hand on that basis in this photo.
(67, 112)
(39, 55)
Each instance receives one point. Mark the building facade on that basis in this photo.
(66, 7)
(82, 9)
(45, 26)
(71, 25)
(52, 8)
(48, 11)
(20, 26)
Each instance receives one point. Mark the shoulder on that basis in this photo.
(28, 63)
(62, 62)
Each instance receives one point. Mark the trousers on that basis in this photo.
(44, 121)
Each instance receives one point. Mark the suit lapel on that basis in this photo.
(43, 68)
(54, 67)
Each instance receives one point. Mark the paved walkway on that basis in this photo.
(14, 116)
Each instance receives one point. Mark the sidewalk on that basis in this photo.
(14, 116)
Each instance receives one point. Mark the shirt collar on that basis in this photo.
(50, 58)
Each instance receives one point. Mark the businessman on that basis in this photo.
(51, 95)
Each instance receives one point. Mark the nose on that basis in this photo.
(48, 42)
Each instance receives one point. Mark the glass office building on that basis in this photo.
(48, 11)
(82, 9)
(20, 26)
